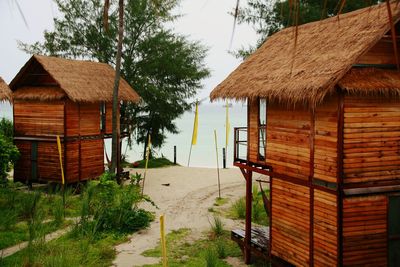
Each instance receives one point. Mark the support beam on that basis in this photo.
(249, 198)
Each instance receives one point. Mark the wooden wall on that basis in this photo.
(325, 140)
(290, 222)
(371, 140)
(288, 141)
(364, 231)
(108, 118)
(38, 118)
(46, 120)
(89, 118)
(381, 53)
(92, 158)
(252, 131)
(325, 232)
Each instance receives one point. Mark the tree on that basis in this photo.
(8, 151)
(165, 68)
(267, 17)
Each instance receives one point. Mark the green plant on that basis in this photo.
(239, 208)
(210, 257)
(8, 156)
(136, 179)
(217, 226)
(220, 247)
(58, 211)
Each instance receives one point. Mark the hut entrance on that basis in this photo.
(394, 231)
(34, 161)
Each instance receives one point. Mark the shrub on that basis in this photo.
(8, 156)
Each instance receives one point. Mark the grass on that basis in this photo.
(259, 215)
(69, 251)
(217, 226)
(19, 232)
(154, 163)
(182, 252)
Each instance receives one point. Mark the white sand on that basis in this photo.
(184, 202)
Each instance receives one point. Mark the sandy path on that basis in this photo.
(184, 202)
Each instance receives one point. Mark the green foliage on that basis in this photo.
(220, 248)
(165, 68)
(154, 163)
(136, 179)
(239, 208)
(8, 152)
(210, 257)
(217, 226)
(7, 129)
(267, 17)
(183, 251)
(107, 206)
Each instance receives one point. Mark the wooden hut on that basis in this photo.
(5, 92)
(324, 125)
(67, 98)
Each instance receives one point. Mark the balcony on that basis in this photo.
(241, 149)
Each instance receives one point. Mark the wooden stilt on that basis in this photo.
(247, 239)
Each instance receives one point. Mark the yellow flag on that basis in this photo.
(227, 125)
(60, 154)
(196, 125)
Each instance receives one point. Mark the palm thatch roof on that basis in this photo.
(82, 81)
(5, 92)
(325, 51)
(371, 81)
(46, 93)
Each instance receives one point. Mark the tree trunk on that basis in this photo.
(116, 153)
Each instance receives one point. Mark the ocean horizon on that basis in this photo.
(211, 116)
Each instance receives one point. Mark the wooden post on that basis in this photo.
(174, 155)
(247, 238)
(224, 157)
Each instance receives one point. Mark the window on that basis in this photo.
(102, 116)
(262, 122)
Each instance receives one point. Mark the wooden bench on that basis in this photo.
(259, 240)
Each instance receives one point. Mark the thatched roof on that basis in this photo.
(47, 93)
(82, 81)
(371, 81)
(5, 92)
(325, 52)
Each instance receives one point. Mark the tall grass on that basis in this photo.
(210, 257)
(239, 208)
(217, 226)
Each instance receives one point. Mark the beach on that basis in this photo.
(184, 196)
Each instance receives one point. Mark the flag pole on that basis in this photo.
(195, 128)
(227, 128)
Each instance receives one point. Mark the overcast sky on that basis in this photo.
(204, 20)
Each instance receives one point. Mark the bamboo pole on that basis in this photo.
(216, 150)
(163, 242)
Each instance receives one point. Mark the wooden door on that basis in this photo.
(394, 231)
(34, 163)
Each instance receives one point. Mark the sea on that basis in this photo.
(212, 116)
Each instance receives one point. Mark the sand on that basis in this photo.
(185, 203)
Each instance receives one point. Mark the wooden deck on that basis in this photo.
(259, 240)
